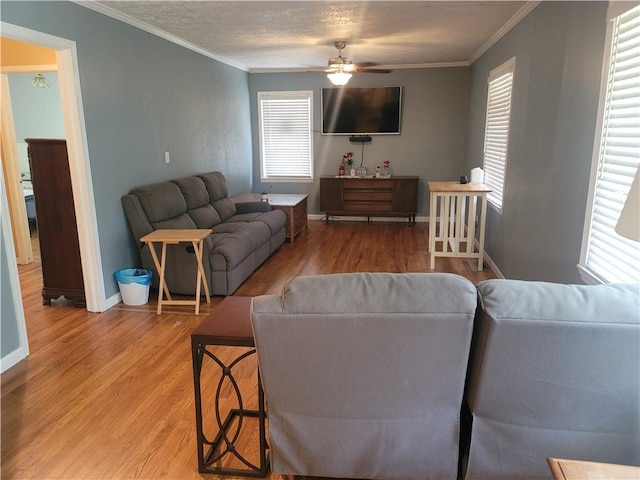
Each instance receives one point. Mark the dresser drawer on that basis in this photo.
(368, 207)
(350, 196)
(367, 184)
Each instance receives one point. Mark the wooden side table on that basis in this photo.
(172, 237)
(294, 206)
(455, 205)
(228, 324)
(563, 469)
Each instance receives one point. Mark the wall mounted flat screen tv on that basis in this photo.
(361, 110)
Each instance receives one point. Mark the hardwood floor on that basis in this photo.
(110, 395)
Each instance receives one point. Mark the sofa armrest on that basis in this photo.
(137, 218)
(253, 207)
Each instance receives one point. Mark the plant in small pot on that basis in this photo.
(264, 196)
(346, 164)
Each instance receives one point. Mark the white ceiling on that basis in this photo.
(267, 35)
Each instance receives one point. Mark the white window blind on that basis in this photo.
(496, 134)
(285, 135)
(609, 257)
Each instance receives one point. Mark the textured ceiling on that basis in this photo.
(286, 35)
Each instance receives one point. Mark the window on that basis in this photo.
(606, 256)
(286, 144)
(496, 134)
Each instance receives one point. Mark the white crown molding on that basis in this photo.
(513, 21)
(109, 12)
(385, 67)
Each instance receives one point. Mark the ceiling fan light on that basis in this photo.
(339, 78)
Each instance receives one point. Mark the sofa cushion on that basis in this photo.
(424, 293)
(181, 221)
(231, 249)
(275, 220)
(554, 373)
(194, 191)
(161, 201)
(225, 208)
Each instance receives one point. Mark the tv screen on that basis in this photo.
(361, 111)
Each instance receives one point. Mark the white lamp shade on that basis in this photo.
(629, 222)
(339, 78)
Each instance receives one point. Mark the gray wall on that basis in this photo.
(143, 96)
(37, 112)
(430, 145)
(559, 49)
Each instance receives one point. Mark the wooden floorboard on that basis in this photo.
(110, 395)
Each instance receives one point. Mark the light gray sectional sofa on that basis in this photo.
(426, 376)
(244, 234)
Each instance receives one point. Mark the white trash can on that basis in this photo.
(134, 285)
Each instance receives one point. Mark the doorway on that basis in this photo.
(66, 61)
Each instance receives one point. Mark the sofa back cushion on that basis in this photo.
(555, 373)
(164, 205)
(216, 185)
(196, 197)
(366, 370)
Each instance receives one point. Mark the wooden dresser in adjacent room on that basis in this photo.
(370, 197)
(56, 221)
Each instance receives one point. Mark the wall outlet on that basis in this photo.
(167, 157)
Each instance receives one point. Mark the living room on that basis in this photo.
(143, 96)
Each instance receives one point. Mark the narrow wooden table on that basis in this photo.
(563, 469)
(455, 205)
(228, 324)
(172, 237)
(294, 206)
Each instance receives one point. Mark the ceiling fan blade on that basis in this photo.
(373, 70)
(366, 64)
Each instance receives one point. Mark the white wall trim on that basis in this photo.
(349, 218)
(73, 113)
(513, 21)
(28, 68)
(113, 300)
(12, 358)
(7, 240)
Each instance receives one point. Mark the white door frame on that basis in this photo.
(73, 114)
(13, 179)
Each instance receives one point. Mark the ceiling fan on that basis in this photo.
(341, 68)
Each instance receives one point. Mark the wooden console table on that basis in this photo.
(172, 237)
(219, 453)
(370, 197)
(455, 206)
(294, 206)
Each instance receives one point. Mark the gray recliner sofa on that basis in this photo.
(377, 377)
(244, 234)
(555, 372)
(364, 373)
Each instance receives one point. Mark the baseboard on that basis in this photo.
(11, 359)
(113, 300)
(349, 218)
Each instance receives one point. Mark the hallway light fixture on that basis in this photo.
(39, 81)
